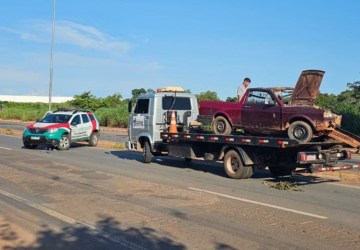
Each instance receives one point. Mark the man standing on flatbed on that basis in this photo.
(242, 89)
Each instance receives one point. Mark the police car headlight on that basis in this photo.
(53, 130)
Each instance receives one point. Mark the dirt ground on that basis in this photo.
(14, 236)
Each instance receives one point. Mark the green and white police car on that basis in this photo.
(62, 127)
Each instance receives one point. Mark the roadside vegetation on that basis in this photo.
(112, 111)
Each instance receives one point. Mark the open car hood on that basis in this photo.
(307, 88)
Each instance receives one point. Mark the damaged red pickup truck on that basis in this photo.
(274, 111)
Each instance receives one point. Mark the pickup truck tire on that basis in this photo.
(94, 139)
(147, 155)
(300, 131)
(64, 143)
(221, 126)
(234, 167)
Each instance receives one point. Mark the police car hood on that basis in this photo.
(43, 125)
(307, 88)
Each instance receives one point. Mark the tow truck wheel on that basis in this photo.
(147, 155)
(234, 167)
(221, 126)
(300, 131)
(64, 143)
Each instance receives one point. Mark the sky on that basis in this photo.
(112, 47)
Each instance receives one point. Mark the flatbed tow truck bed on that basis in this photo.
(241, 154)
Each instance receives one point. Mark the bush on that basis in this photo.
(113, 117)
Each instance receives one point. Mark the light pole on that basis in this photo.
(51, 54)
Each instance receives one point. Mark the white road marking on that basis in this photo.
(5, 148)
(259, 203)
(73, 221)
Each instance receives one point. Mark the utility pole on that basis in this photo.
(51, 54)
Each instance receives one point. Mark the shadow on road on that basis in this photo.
(109, 234)
(216, 168)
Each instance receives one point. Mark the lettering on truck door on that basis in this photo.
(141, 118)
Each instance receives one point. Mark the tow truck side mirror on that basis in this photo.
(129, 106)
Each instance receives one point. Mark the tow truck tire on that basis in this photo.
(300, 131)
(234, 167)
(94, 139)
(147, 155)
(221, 126)
(64, 143)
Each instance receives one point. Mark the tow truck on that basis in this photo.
(149, 132)
(242, 154)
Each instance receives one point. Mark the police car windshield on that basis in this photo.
(55, 118)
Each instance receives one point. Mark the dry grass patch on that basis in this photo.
(8, 131)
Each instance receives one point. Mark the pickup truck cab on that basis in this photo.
(275, 111)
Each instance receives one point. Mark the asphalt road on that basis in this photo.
(93, 198)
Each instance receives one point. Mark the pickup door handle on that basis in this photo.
(246, 106)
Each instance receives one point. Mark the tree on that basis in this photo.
(86, 100)
(231, 99)
(208, 95)
(355, 88)
(136, 92)
(112, 101)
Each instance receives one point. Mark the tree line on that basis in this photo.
(112, 110)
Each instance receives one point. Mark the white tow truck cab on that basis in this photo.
(150, 115)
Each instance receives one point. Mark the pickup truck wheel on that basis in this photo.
(64, 143)
(147, 155)
(94, 139)
(234, 167)
(300, 131)
(221, 126)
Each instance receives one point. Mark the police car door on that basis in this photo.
(76, 128)
(86, 125)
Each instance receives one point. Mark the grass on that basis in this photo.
(284, 185)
